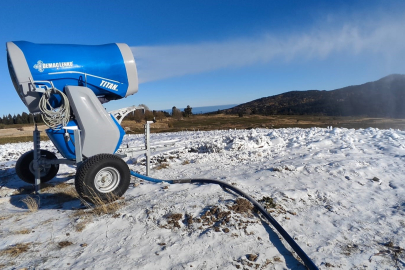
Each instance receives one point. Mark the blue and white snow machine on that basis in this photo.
(67, 85)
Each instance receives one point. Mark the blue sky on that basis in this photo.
(203, 53)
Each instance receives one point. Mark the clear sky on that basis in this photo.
(211, 52)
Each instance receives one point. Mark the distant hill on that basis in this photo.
(382, 98)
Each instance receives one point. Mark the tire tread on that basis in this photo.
(83, 171)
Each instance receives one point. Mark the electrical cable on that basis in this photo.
(54, 118)
(304, 257)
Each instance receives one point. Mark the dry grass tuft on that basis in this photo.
(98, 206)
(20, 139)
(5, 217)
(81, 226)
(63, 244)
(23, 231)
(185, 162)
(84, 219)
(46, 187)
(16, 249)
(108, 208)
(31, 204)
(46, 222)
(162, 166)
(110, 204)
(61, 188)
(4, 265)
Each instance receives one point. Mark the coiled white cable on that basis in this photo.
(54, 118)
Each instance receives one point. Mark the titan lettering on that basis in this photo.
(109, 85)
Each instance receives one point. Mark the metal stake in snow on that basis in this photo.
(147, 145)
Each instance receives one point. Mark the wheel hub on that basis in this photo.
(107, 179)
(43, 169)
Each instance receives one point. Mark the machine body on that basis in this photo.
(108, 70)
(67, 85)
(88, 75)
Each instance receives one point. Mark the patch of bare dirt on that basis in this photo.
(20, 132)
(241, 206)
(173, 220)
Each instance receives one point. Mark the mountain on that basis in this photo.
(382, 98)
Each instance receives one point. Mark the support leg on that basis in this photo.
(78, 147)
(37, 156)
(147, 146)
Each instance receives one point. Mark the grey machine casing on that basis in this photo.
(99, 132)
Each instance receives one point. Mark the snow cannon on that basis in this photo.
(109, 70)
(67, 85)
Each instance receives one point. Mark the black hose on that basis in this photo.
(304, 257)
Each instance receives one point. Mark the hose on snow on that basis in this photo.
(304, 257)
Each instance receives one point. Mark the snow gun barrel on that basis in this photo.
(67, 85)
(108, 70)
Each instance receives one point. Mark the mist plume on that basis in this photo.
(159, 62)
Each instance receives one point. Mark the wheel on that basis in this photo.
(25, 167)
(103, 176)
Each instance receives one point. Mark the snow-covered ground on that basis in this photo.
(339, 192)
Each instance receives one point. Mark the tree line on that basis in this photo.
(148, 115)
(138, 116)
(23, 118)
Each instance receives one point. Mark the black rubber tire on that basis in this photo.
(85, 181)
(23, 170)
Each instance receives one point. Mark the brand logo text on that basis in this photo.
(41, 66)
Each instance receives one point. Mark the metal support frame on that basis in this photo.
(121, 113)
(149, 150)
(78, 146)
(38, 161)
